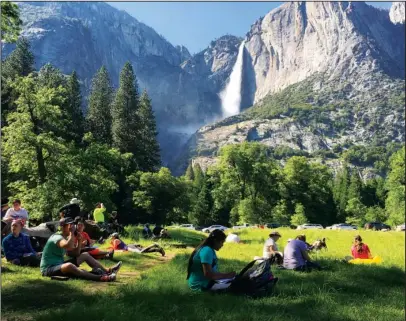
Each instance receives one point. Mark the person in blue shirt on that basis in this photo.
(202, 272)
(17, 247)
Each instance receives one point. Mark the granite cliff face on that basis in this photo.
(348, 40)
(84, 36)
(397, 12)
(327, 76)
(342, 60)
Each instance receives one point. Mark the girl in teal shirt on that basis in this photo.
(202, 272)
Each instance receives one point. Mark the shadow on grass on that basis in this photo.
(340, 293)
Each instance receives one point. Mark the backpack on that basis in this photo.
(255, 280)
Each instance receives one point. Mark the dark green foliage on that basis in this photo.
(148, 159)
(74, 108)
(98, 118)
(126, 126)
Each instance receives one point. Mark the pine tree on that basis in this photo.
(201, 211)
(199, 176)
(10, 21)
(340, 190)
(354, 190)
(18, 64)
(149, 159)
(51, 77)
(125, 120)
(98, 119)
(74, 108)
(189, 172)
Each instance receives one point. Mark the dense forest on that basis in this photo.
(52, 151)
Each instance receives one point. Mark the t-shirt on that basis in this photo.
(233, 238)
(364, 254)
(21, 214)
(205, 255)
(157, 230)
(16, 247)
(86, 237)
(98, 215)
(117, 244)
(268, 243)
(52, 253)
(293, 257)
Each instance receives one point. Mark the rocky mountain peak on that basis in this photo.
(397, 12)
(184, 52)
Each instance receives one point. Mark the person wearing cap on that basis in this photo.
(17, 247)
(271, 248)
(53, 264)
(70, 210)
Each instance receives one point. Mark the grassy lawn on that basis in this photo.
(152, 288)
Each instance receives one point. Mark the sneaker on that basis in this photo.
(101, 240)
(108, 278)
(116, 268)
(162, 251)
(97, 271)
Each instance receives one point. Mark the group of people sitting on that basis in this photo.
(203, 273)
(71, 240)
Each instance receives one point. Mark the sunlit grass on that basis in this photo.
(158, 290)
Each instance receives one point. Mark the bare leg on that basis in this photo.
(93, 263)
(69, 268)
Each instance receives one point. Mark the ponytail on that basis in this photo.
(214, 236)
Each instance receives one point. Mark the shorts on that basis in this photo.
(55, 270)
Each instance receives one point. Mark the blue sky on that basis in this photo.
(195, 24)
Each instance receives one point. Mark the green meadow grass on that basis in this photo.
(150, 289)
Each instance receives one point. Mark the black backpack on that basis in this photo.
(255, 280)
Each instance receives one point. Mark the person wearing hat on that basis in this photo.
(17, 247)
(270, 247)
(71, 210)
(53, 264)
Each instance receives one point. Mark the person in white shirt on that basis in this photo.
(233, 238)
(271, 248)
(15, 213)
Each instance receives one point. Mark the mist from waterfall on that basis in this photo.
(231, 95)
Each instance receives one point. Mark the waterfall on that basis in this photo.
(231, 95)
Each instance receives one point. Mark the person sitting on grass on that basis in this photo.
(360, 250)
(119, 245)
(53, 264)
(17, 247)
(14, 213)
(202, 270)
(270, 249)
(87, 244)
(296, 256)
(146, 232)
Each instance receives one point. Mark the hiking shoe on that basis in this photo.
(108, 278)
(116, 268)
(161, 250)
